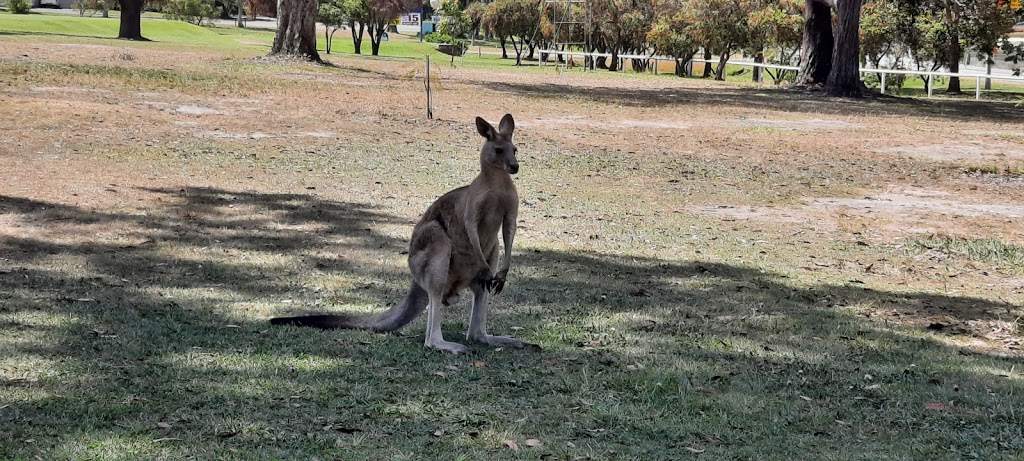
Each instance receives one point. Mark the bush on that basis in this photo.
(437, 37)
(193, 11)
(18, 6)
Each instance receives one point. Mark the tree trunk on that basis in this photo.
(816, 54)
(357, 36)
(707, 65)
(106, 10)
(614, 66)
(518, 49)
(131, 20)
(955, 53)
(376, 34)
(844, 79)
(722, 59)
(296, 29)
(240, 21)
(759, 59)
(504, 51)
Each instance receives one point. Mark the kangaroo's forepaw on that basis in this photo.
(454, 348)
(504, 341)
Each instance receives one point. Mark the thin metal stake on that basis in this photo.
(430, 112)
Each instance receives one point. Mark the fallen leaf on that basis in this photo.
(438, 432)
(533, 443)
(166, 439)
(479, 363)
(441, 374)
(873, 387)
(694, 450)
(511, 444)
(806, 398)
(935, 406)
(163, 425)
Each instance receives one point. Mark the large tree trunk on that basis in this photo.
(614, 66)
(955, 52)
(131, 20)
(844, 79)
(296, 29)
(816, 54)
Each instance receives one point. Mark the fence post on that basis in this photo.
(977, 89)
(929, 83)
(883, 82)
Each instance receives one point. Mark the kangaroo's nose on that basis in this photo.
(513, 168)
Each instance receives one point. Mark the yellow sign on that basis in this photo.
(1015, 4)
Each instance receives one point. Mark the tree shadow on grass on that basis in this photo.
(768, 98)
(121, 346)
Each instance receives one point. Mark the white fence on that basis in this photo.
(930, 76)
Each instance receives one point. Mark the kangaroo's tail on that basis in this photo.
(390, 320)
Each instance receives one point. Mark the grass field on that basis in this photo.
(714, 270)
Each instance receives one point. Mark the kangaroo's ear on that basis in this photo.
(507, 125)
(485, 129)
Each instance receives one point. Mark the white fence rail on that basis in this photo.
(929, 75)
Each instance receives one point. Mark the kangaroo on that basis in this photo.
(454, 246)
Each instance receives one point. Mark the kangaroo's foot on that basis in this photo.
(503, 341)
(442, 345)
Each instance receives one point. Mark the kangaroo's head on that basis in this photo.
(498, 151)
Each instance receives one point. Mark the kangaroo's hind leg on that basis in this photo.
(478, 318)
(429, 266)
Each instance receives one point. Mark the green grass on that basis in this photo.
(159, 31)
(1005, 257)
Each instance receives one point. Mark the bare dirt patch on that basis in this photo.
(973, 151)
(801, 125)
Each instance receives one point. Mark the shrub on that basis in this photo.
(193, 11)
(18, 6)
(438, 37)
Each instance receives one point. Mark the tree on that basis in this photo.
(192, 11)
(454, 22)
(775, 28)
(475, 12)
(844, 78)
(817, 44)
(261, 8)
(331, 13)
(357, 13)
(296, 29)
(131, 20)
(721, 26)
(671, 36)
(514, 18)
(886, 27)
(380, 13)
